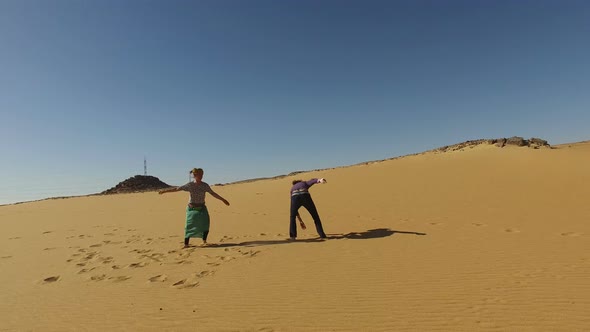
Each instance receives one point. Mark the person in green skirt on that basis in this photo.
(197, 216)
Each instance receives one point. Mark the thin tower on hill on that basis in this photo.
(144, 166)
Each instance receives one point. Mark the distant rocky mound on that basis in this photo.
(138, 183)
(534, 143)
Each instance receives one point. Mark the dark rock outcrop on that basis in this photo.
(537, 142)
(534, 143)
(138, 183)
(500, 142)
(518, 141)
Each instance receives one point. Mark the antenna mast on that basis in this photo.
(144, 166)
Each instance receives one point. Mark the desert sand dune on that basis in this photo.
(479, 239)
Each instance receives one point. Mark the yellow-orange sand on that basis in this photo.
(505, 247)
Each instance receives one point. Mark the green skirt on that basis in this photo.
(197, 222)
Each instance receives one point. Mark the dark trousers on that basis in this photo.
(304, 200)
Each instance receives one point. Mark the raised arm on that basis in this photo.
(314, 181)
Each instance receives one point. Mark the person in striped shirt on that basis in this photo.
(300, 196)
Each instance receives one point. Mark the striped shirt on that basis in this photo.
(302, 187)
(197, 191)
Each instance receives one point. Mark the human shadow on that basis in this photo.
(369, 234)
(261, 243)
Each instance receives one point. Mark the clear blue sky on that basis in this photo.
(259, 88)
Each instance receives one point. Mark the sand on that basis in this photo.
(484, 239)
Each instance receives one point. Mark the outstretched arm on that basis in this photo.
(301, 223)
(216, 195)
(314, 181)
(168, 190)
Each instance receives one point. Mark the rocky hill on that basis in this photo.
(534, 143)
(138, 183)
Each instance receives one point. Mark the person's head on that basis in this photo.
(296, 181)
(197, 173)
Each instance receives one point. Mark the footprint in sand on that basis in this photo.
(89, 256)
(250, 253)
(435, 223)
(158, 278)
(116, 267)
(98, 277)
(119, 278)
(51, 248)
(183, 262)
(138, 265)
(478, 224)
(6, 257)
(184, 283)
(14, 238)
(203, 274)
(86, 270)
(141, 251)
(511, 230)
(106, 260)
(96, 245)
(183, 255)
(155, 257)
(571, 234)
(109, 234)
(47, 232)
(51, 279)
(266, 329)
